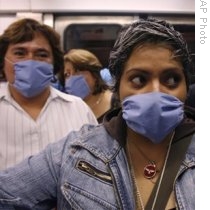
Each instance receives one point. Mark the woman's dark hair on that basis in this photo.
(25, 30)
(143, 32)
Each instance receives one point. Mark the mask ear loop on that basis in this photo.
(9, 61)
(5, 58)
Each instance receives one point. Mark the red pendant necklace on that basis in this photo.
(150, 170)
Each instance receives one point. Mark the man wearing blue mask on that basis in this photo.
(32, 112)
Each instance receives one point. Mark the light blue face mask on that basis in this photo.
(32, 77)
(77, 85)
(154, 114)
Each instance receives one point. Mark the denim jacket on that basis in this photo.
(86, 170)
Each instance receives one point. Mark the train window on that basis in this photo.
(97, 38)
(188, 31)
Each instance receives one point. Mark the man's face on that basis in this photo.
(37, 49)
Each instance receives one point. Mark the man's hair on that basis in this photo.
(24, 30)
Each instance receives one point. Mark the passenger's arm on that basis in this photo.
(32, 183)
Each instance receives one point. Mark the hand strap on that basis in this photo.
(176, 156)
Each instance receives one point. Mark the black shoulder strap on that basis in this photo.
(176, 155)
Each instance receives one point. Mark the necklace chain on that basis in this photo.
(139, 200)
(150, 161)
(150, 170)
(98, 101)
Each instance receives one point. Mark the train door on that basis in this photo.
(94, 33)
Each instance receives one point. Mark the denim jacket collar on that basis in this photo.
(116, 128)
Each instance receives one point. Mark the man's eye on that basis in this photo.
(19, 53)
(43, 55)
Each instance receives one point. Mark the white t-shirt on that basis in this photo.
(22, 136)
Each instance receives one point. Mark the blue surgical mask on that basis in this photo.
(77, 85)
(154, 114)
(32, 77)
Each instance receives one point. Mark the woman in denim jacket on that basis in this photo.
(116, 165)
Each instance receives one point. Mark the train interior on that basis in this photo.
(95, 29)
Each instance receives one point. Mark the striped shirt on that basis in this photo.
(21, 136)
(3, 84)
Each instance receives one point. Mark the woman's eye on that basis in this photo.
(67, 75)
(172, 81)
(138, 81)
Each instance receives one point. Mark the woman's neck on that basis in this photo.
(154, 151)
(99, 103)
